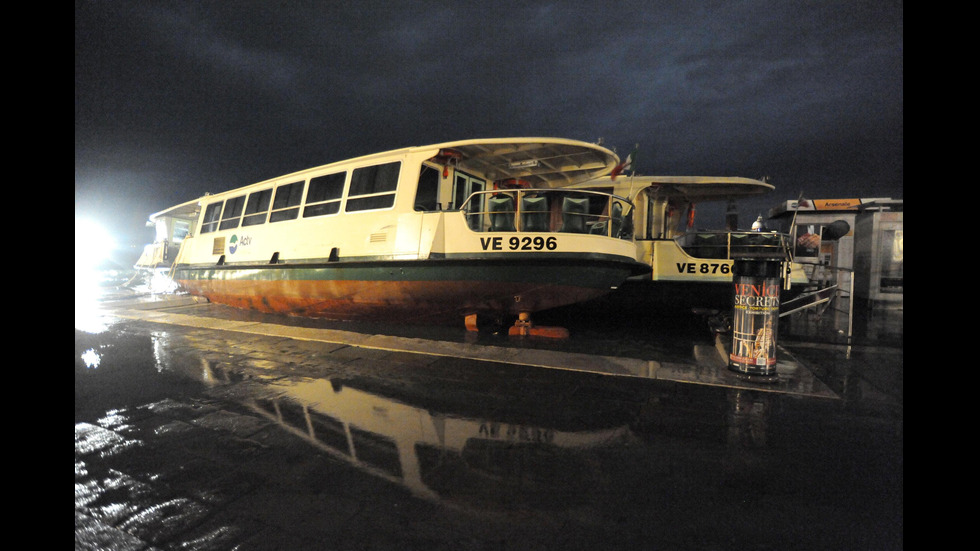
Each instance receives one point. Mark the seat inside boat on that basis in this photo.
(534, 214)
(501, 210)
(573, 214)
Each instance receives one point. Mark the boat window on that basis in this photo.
(232, 213)
(373, 187)
(286, 204)
(211, 218)
(181, 229)
(324, 195)
(427, 193)
(257, 207)
(376, 450)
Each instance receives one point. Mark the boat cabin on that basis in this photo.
(671, 243)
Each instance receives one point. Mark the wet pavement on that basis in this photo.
(202, 427)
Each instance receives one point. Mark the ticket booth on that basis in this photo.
(849, 238)
(879, 253)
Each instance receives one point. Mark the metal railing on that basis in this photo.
(550, 210)
(831, 296)
(735, 244)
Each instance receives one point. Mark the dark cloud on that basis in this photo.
(175, 99)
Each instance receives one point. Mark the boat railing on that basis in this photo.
(735, 244)
(550, 210)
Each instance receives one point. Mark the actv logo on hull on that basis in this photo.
(234, 243)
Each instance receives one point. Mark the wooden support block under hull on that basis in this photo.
(524, 327)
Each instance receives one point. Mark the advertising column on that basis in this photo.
(755, 316)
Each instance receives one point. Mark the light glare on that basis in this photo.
(93, 246)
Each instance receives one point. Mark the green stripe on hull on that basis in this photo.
(600, 273)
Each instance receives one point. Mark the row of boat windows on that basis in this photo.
(371, 188)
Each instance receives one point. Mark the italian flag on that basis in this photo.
(625, 165)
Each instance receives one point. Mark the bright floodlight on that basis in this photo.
(93, 244)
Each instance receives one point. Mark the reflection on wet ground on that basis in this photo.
(193, 438)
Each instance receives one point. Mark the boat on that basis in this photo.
(691, 267)
(476, 229)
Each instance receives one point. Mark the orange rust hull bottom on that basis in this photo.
(402, 301)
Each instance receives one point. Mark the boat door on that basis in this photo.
(428, 209)
(463, 186)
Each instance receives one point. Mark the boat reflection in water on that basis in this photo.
(440, 456)
(507, 438)
(561, 457)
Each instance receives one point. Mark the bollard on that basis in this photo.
(755, 319)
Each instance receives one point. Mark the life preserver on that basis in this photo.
(447, 157)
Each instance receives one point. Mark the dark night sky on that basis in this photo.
(174, 99)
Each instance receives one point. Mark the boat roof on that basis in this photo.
(692, 188)
(183, 210)
(540, 162)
